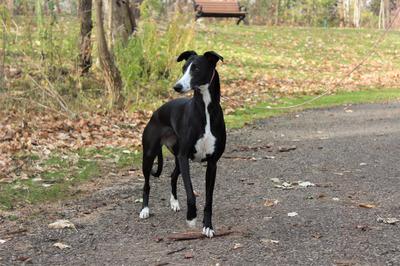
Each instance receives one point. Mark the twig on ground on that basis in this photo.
(176, 251)
(191, 235)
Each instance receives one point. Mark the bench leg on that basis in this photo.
(198, 15)
(240, 19)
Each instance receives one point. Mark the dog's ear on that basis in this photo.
(185, 55)
(213, 57)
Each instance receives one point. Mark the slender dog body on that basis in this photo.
(191, 129)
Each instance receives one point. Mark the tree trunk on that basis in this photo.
(278, 3)
(111, 73)
(387, 13)
(340, 9)
(120, 21)
(58, 7)
(357, 13)
(10, 6)
(85, 55)
(346, 9)
(382, 16)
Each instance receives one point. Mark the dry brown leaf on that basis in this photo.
(61, 245)
(367, 205)
(61, 224)
(270, 202)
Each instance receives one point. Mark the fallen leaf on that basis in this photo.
(292, 214)
(237, 245)
(188, 255)
(316, 235)
(367, 205)
(362, 227)
(61, 224)
(2, 241)
(269, 241)
(271, 202)
(306, 184)
(24, 258)
(338, 173)
(286, 148)
(275, 180)
(61, 245)
(387, 220)
(287, 184)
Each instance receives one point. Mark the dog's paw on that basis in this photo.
(208, 232)
(144, 213)
(191, 223)
(174, 204)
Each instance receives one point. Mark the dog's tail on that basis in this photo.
(159, 164)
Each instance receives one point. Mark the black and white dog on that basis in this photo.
(191, 129)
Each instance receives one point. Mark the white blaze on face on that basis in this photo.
(185, 79)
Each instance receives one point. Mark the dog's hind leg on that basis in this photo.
(174, 178)
(191, 199)
(210, 182)
(147, 164)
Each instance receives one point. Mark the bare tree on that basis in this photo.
(10, 6)
(384, 14)
(357, 13)
(120, 20)
(112, 75)
(85, 54)
(340, 9)
(346, 9)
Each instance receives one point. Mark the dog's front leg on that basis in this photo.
(210, 182)
(191, 199)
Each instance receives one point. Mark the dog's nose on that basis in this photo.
(178, 87)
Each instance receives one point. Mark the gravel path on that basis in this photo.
(350, 153)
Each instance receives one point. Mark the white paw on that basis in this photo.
(174, 204)
(191, 223)
(144, 213)
(208, 232)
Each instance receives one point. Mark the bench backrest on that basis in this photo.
(218, 6)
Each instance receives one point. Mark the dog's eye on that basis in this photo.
(195, 68)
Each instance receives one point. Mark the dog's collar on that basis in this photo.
(212, 77)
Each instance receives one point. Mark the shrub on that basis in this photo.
(147, 62)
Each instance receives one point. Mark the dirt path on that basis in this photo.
(350, 153)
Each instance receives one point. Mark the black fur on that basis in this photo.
(179, 124)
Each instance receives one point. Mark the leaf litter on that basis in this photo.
(61, 224)
(61, 245)
(387, 220)
(291, 185)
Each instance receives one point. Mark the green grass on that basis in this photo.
(300, 55)
(247, 115)
(289, 61)
(63, 172)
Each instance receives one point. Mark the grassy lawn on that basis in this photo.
(263, 66)
(246, 115)
(298, 54)
(61, 173)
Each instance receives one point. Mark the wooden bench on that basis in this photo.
(219, 9)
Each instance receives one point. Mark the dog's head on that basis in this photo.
(198, 70)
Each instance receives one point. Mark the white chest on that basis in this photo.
(206, 144)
